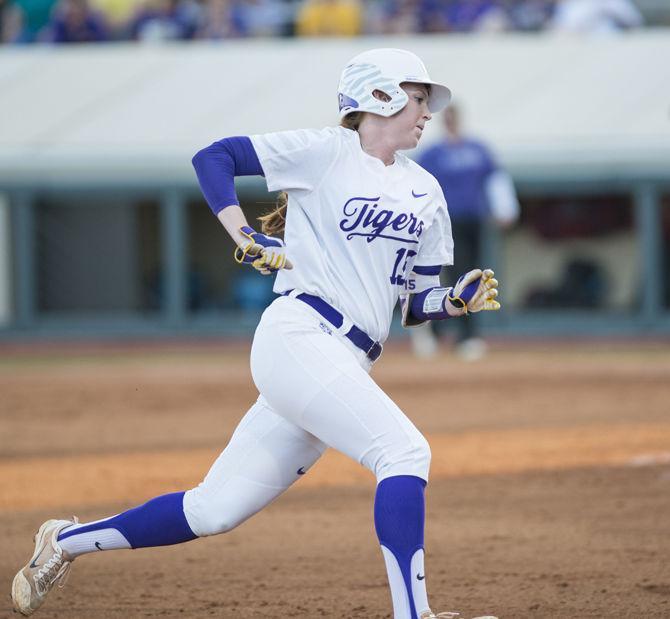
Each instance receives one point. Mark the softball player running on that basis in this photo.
(363, 226)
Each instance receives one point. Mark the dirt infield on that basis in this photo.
(549, 493)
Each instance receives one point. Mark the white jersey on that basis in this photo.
(355, 228)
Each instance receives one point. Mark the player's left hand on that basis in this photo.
(475, 291)
(267, 254)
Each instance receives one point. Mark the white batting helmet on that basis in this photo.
(385, 69)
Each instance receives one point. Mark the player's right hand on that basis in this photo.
(266, 254)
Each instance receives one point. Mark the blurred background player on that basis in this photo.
(595, 16)
(477, 191)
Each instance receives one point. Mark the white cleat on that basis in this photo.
(48, 565)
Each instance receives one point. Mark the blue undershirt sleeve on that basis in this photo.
(217, 166)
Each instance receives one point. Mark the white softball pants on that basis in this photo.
(316, 392)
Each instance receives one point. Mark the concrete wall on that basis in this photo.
(554, 106)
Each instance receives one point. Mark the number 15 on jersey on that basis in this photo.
(402, 257)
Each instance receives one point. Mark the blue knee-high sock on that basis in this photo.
(159, 522)
(399, 521)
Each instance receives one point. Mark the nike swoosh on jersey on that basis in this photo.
(418, 195)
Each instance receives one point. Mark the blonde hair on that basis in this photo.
(273, 223)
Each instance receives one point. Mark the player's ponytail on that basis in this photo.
(273, 222)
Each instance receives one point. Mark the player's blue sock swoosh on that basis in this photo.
(399, 521)
(159, 522)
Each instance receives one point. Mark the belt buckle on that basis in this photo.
(375, 351)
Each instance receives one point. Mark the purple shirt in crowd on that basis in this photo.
(462, 169)
(89, 29)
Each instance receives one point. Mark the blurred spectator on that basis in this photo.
(595, 16)
(530, 15)
(263, 18)
(434, 15)
(479, 15)
(329, 18)
(73, 21)
(4, 5)
(165, 20)
(222, 20)
(10, 22)
(463, 15)
(476, 190)
(394, 17)
(494, 18)
(117, 13)
(25, 19)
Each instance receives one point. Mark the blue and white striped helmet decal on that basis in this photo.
(357, 84)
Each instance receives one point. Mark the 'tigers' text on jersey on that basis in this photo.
(362, 217)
